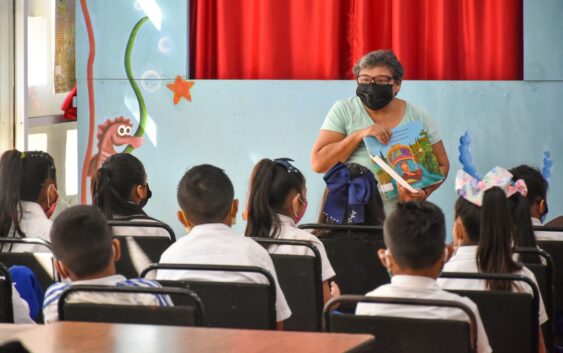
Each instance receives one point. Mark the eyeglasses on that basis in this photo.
(381, 80)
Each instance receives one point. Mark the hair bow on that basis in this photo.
(284, 162)
(347, 195)
(473, 189)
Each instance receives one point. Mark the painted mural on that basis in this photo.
(117, 131)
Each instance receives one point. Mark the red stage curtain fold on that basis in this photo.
(321, 39)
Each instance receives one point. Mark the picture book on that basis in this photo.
(408, 159)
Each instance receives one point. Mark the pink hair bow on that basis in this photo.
(472, 189)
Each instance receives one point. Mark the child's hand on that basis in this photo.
(405, 195)
(334, 289)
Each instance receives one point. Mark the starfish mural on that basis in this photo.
(181, 89)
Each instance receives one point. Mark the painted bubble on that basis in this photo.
(165, 45)
(150, 80)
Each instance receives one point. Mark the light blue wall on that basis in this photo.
(543, 41)
(234, 123)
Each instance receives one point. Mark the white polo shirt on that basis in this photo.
(35, 224)
(218, 244)
(289, 231)
(419, 287)
(542, 235)
(465, 260)
(53, 293)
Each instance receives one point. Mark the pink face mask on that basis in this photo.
(302, 213)
(51, 207)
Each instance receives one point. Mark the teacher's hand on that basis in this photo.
(380, 132)
(406, 196)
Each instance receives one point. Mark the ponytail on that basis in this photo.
(22, 177)
(11, 175)
(494, 254)
(270, 185)
(523, 230)
(113, 183)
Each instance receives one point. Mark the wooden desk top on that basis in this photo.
(67, 337)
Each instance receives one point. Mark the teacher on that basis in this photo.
(375, 110)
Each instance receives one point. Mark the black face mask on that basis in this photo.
(375, 96)
(146, 199)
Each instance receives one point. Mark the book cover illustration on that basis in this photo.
(409, 153)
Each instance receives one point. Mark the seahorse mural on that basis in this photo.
(116, 132)
(91, 163)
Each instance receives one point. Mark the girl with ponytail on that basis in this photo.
(277, 201)
(484, 235)
(28, 195)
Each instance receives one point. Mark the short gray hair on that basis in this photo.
(380, 58)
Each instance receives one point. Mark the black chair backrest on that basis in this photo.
(151, 245)
(228, 304)
(399, 334)
(46, 274)
(545, 278)
(352, 251)
(181, 314)
(6, 305)
(300, 279)
(510, 318)
(555, 249)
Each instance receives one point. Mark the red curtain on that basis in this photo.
(321, 39)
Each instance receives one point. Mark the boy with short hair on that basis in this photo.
(208, 209)
(86, 253)
(414, 234)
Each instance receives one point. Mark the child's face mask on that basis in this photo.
(51, 207)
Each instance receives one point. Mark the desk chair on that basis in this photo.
(41, 264)
(151, 246)
(300, 278)
(405, 335)
(545, 278)
(6, 305)
(229, 304)
(352, 251)
(510, 318)
(181, 314)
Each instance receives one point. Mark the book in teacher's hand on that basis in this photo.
(408, 159)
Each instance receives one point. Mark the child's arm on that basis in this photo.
(541, 342)
(330, 290)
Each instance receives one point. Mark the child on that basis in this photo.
(86, 253)
(28, 197)
(414, 234)
(483, 233)
(277, 201)
(351, 196)
(120, 190)
(537, 198)
(208, 208)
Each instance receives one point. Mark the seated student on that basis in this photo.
(208, 209)
(86, 252)
(483, 231)
(277, 202)
(28, 197)
(120, 189)
(414, 234)
(537, 198)
(351, 196)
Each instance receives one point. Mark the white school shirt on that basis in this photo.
(419, 287)
(218, 244)
(289, 231)
(542, 235)
(35, 224)
(53, 293)
(21, 308)
(465, 260)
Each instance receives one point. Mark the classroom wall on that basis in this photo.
(232, 123)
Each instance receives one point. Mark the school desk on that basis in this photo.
(66, 337)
